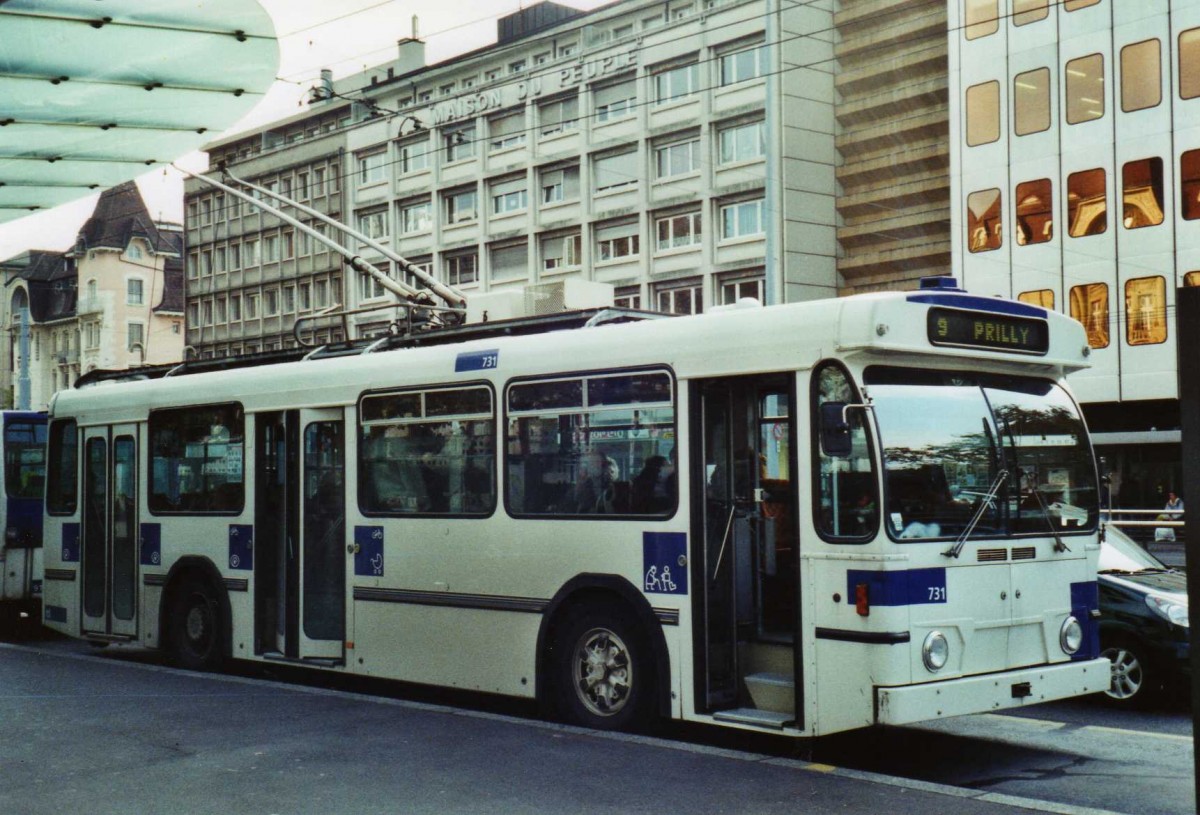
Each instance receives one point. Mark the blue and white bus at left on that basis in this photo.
(24, 450)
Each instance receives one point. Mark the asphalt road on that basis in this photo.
(117, 732)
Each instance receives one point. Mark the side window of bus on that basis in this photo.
(847, 493)
(24, 459)
(63, 468)
(594, 445)
(197, 460)
(428, 452)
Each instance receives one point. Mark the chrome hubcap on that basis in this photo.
(1127, 677)
(603, 673)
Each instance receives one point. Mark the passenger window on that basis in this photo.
(197, 460)
(62, 468)
(428, 452)
(846, 492)
(596, 445)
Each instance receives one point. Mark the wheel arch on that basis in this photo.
(593, 588)
(203, 569)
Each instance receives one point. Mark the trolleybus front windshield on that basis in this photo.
(1009, 454)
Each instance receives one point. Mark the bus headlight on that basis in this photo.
(1070, 636)
(935, 651)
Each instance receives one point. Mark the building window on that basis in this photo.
(373, 224)
(371, 167)
(234, 256)
(628, 297)
(745, 142)
(413, 154)
(1191, 279)
(507, 130)
(320, 295)
(676, 83)
(1085, 89)
(1189, 64)
(220, 311)
(560, 185)
(1142, 193)
(417, 217)
(742, 66)
(984, 221)
(1030, 11)
(192, 266)
(206, 262)
(1075, 5)
(1089, 305)
(1146, 310)
(288, 245)
(251, 306)
(983, 18)
(983, 113)
(1041, 297)
(270, 244)
(516, 67)
(368, 286)
(510, 262)
(616, 100)
(289, 299)
(136, 335)
(567, 49)
(460, 206)
(305, 290)
(271, 302)
(250, 253)
(561, 252)
(509, 196)
(1035, 212)
(1031, 102)
(742, 219)
(685, 298)
(1087, 209)
(133, 292)
(677, 231)
(558, 116)
(219, 259)
(680, 158)
(318, 185)
(615, 171)
(459, 142)
(1189, 185)
(462, 269)
(617, 241)
(235, 308)
(733, 290)
(1141, 85)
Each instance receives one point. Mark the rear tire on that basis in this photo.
(195, 626)
(603, 674)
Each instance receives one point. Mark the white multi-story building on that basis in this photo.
(1075, 155)
(682, 152)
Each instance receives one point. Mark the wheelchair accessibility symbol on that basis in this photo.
(660, 583)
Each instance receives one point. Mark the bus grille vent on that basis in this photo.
(1024, 552)
(991, 555)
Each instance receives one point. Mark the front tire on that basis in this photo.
(1133, 682)
(195, 627)
(603, 673)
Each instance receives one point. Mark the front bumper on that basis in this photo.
(991, 692)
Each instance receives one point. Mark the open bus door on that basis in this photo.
(109, 529)
(300, 575)
(744, 539)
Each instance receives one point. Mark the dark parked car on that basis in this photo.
(1143, 623)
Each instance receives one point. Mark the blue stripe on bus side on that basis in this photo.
(910, 587)
(1085, 599)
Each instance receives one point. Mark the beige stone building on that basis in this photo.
(114, 300)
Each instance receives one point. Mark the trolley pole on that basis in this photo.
(1187, 333)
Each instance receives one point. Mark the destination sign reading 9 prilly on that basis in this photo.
(994, 332)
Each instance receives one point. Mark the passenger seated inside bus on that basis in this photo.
(596, 491)
(652, 491)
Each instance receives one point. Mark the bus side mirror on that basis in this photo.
(835, 430)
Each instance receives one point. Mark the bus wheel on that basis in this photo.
(603, 673)
(195, 626)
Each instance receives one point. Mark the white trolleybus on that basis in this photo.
(805, 518)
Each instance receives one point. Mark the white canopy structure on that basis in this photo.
(96, 92)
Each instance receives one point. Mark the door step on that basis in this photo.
(768, 719)
(323, 662)
(772, 691)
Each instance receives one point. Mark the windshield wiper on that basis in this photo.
(1059, 546)
(984, 503)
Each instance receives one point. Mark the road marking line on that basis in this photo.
(697, 749)
(1143, 733)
